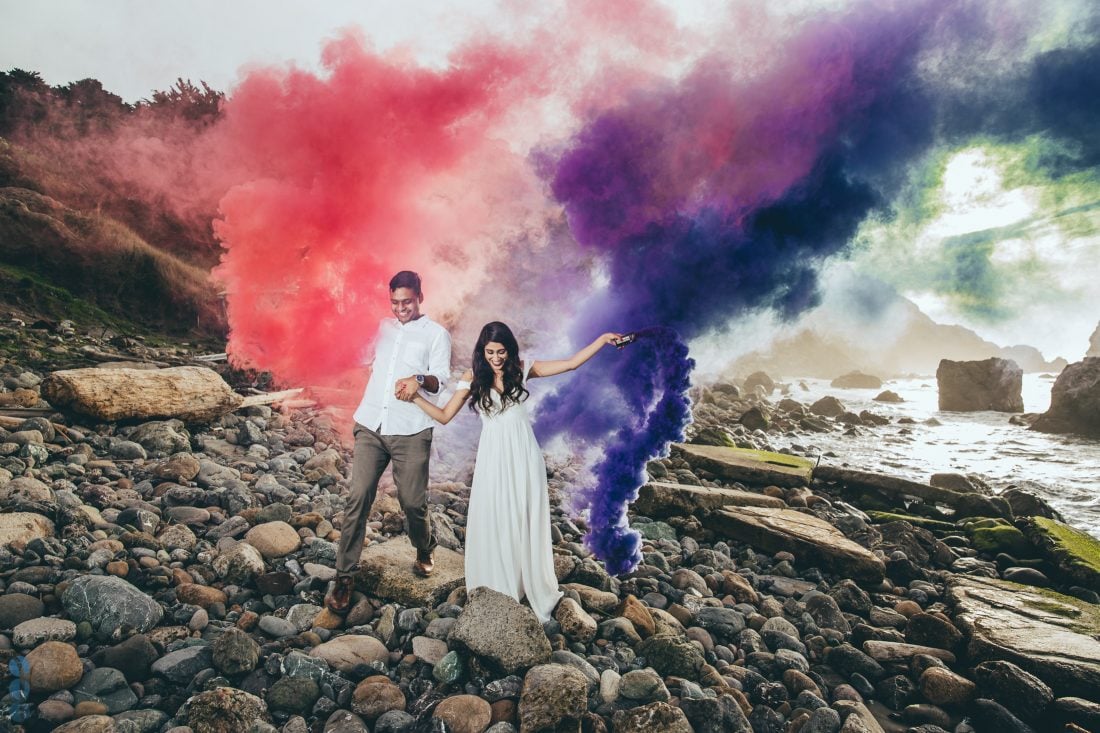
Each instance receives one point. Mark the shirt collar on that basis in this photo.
(418, 323)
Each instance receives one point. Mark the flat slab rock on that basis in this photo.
(813, 541)
(1048, 634)
(748, 466)
(386, 572)
(659, 499)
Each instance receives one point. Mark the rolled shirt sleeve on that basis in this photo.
(439, 359)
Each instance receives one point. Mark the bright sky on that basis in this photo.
(137, 46)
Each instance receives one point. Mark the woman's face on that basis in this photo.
(496, 355)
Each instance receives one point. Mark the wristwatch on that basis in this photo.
(420, 379)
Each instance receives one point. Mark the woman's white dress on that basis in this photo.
(508, 546)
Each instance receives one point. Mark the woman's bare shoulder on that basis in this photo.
(467, 376)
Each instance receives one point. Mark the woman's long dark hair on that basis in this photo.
(481, 395)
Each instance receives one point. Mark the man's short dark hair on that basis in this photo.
(406, 279)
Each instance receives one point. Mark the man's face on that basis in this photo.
(405, 304)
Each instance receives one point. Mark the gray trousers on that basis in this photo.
(373, 452)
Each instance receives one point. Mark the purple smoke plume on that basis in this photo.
(657, 396)
(711, 197)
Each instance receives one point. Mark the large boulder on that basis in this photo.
(113, 607)
(992, 384)
(502, 631)
(1074, 401)
(554, 698)
(386, 572)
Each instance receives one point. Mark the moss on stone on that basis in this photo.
(1076, 553)
(1054, 607)
(1001, 538)
(777, 459)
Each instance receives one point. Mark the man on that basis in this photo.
(412, 353)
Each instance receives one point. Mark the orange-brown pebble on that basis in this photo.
(118, 568)
(248, 621)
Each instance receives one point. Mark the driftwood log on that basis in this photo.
(190, 393)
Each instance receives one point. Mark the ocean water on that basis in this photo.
(1064, 470)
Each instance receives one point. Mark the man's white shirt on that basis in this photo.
(403, 350)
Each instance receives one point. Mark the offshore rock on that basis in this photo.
(991, 384)
(1074, 401)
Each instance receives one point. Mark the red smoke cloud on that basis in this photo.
(378, 167)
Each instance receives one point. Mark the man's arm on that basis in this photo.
(439, 363)
(435, 378)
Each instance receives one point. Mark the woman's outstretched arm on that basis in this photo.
(558, 366)
(458, 399)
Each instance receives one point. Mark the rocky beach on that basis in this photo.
(161, 575)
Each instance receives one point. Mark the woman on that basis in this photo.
(508, 544)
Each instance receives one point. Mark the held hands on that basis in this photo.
(406, 389)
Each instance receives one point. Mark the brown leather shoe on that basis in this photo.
(338, 599)
(423, 565)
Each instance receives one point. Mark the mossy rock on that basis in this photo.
(1001, 538)
(931, 525)
(1073, 552)
(655, 530)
